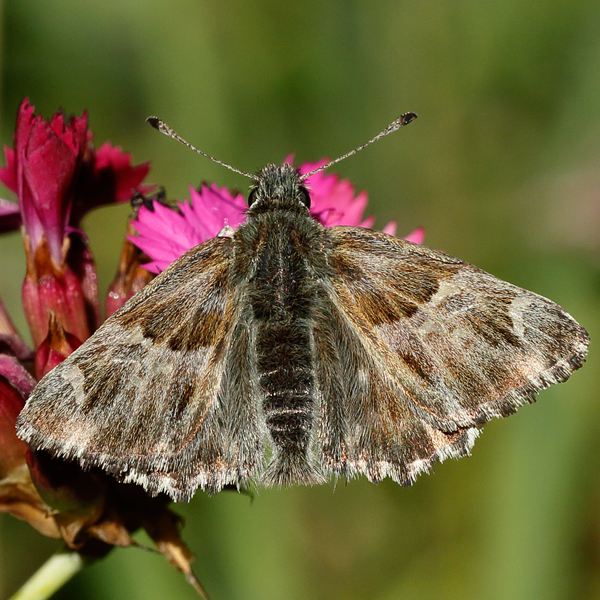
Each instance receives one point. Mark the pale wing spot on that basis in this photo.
(446, 288)
(73, 375)
(162, 368)
(431, 326)
(363, 377)
(516, 311)
(136, 336)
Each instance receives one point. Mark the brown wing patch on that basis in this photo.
(192, 309)
(358, 253)
(365, 263)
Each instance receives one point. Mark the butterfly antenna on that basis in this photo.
(401, 121)
(164, 128)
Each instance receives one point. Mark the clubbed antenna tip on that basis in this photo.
(401, 121)
(164, 128)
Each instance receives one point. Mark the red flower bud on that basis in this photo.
(47, 289)
(47, 156)
(55, 348)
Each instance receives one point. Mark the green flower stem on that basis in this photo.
(51, 576)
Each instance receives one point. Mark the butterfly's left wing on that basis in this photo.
(415, 350)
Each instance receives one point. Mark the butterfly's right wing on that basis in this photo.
(159, 394)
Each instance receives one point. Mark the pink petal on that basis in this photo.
(417, 236)
(390, 228)
(216, 207)
(368, 222)
(110, 162)
(329, 193)
(165, 234)
(354, 208)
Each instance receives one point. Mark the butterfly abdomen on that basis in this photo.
(287, 386)
(281, 293)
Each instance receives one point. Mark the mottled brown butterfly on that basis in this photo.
(285, 352)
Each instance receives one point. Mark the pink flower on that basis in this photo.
(165, 234)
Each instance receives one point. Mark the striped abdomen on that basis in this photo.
(281, 295)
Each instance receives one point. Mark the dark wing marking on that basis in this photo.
(415, 350)
(147, 396)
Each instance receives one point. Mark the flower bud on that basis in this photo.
(57, 345)
(48, 288)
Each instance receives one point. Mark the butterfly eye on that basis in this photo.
(252, 197)
(304, 197)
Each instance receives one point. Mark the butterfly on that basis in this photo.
(285, 352)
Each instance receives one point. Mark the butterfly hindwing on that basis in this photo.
(415, 350)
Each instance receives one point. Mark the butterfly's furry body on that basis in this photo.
(281, 274)
(289, 352)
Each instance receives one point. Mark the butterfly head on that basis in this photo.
(278, 186)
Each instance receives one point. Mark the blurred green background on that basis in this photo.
(502, 168)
